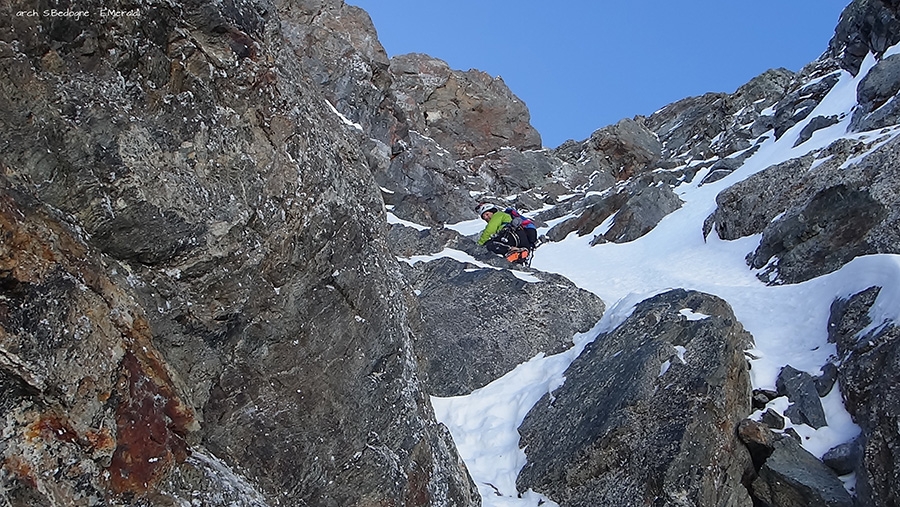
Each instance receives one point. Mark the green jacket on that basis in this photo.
(497, 222)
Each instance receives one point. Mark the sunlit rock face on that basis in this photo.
(648, 412)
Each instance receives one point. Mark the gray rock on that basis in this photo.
(509, 171)
(747, 207)
(870, 363)
(614, 153)
(792, 477)
(594, 211)
(815, 219)
(761, 397)
(212, 266)
(800, 388)
(815, 124)
(424, 184)
(773, 419)
(641, 213)
(407, 241)
(831, 229)
(718, 124)
(481, 323)
(866, 26)
(874, 95)
(721, 169)
(638, 207)
(612, 434)
(844, 458)
(798, 104)
(825, 382)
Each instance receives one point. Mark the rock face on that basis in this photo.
(693, 125)
(815, 213)
(468, 113)
(480, 323)
(648, 412)
(874, 95)
(869, 355)
(85, 390)
(866, 26)
(197, 278)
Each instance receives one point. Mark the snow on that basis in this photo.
(344, 119)
(788, 322)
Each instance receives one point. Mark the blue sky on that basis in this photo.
(580, 65)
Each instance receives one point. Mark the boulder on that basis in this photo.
(800, 388)
(758, 438)
(747, 207)
(875, 95)
(761, 397)
(480, 323)
(826, 381)
(869, 354)
(792, 477)
(773, 419)
(844, 458)
(648, 412)
(815, 124)
(831, 229)
(641, 213)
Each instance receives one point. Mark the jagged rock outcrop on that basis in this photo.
(468, 113)
(815, 213)
(620, 151)
(632, 210)
(640, 214)
(481, 323)
(800, 103)
(785, 473)
(452, 117)
(648, 412)
(719, 124)
(227, 286)
(866, 26)
(869, 354)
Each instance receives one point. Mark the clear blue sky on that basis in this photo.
(580, 65)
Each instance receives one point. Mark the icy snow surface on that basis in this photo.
(787, 322)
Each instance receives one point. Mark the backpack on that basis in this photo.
(524, 221)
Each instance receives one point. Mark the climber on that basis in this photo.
(507, 233)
